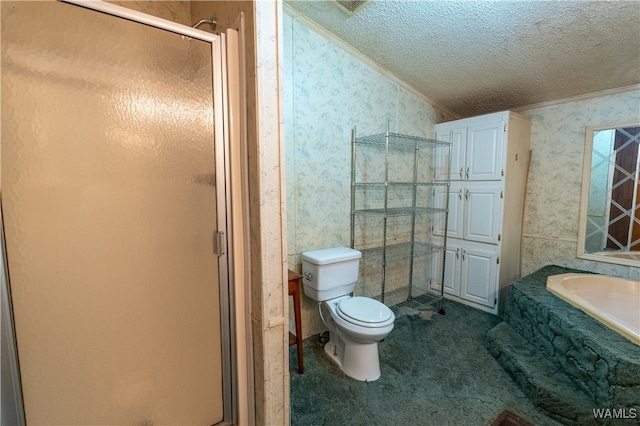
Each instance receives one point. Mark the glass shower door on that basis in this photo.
(109, 205)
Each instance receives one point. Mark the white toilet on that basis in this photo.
(356, 324)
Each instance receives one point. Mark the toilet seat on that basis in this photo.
(364, 312)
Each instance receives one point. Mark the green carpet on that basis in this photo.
(436, 370)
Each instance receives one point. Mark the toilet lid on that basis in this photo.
(364, 309)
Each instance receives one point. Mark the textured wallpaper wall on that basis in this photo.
(328, 91)
(555, 179)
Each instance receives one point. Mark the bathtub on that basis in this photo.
(615, 302)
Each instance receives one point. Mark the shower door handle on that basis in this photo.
(219, 243)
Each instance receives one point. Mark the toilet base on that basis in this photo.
(359, 361)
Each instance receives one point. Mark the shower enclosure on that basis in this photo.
(115, 215)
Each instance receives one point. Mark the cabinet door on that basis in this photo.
(484, 151)
(451, 268)
(482, 212)
(457, 135)
(456, 204)
(479, 271)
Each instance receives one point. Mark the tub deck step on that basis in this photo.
(548, 388)
(602, 363)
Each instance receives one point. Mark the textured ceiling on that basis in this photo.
(475, 57)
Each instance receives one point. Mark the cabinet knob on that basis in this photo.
(467, 172)
(460, 172)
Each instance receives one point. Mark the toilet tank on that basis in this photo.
(330, 273)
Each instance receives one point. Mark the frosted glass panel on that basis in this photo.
(109, 208)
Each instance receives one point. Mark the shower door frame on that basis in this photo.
(224, 215)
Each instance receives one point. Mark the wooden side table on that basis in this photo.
(294, 290)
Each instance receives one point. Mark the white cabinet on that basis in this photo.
(481, 213)
(489, 162)
(455, 216)
(476, 151)
(457, 136)
(478, 265)
(484, 150)
(452, 268)
(470, 271)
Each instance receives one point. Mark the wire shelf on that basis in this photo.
(401, 251)
(397, 184)
(401, 211)
(400, 142)
(415, 304)
(393, 215)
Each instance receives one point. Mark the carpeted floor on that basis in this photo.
(435, 371)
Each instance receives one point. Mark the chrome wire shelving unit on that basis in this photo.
(395, 180)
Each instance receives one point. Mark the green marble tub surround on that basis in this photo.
(601, 364)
